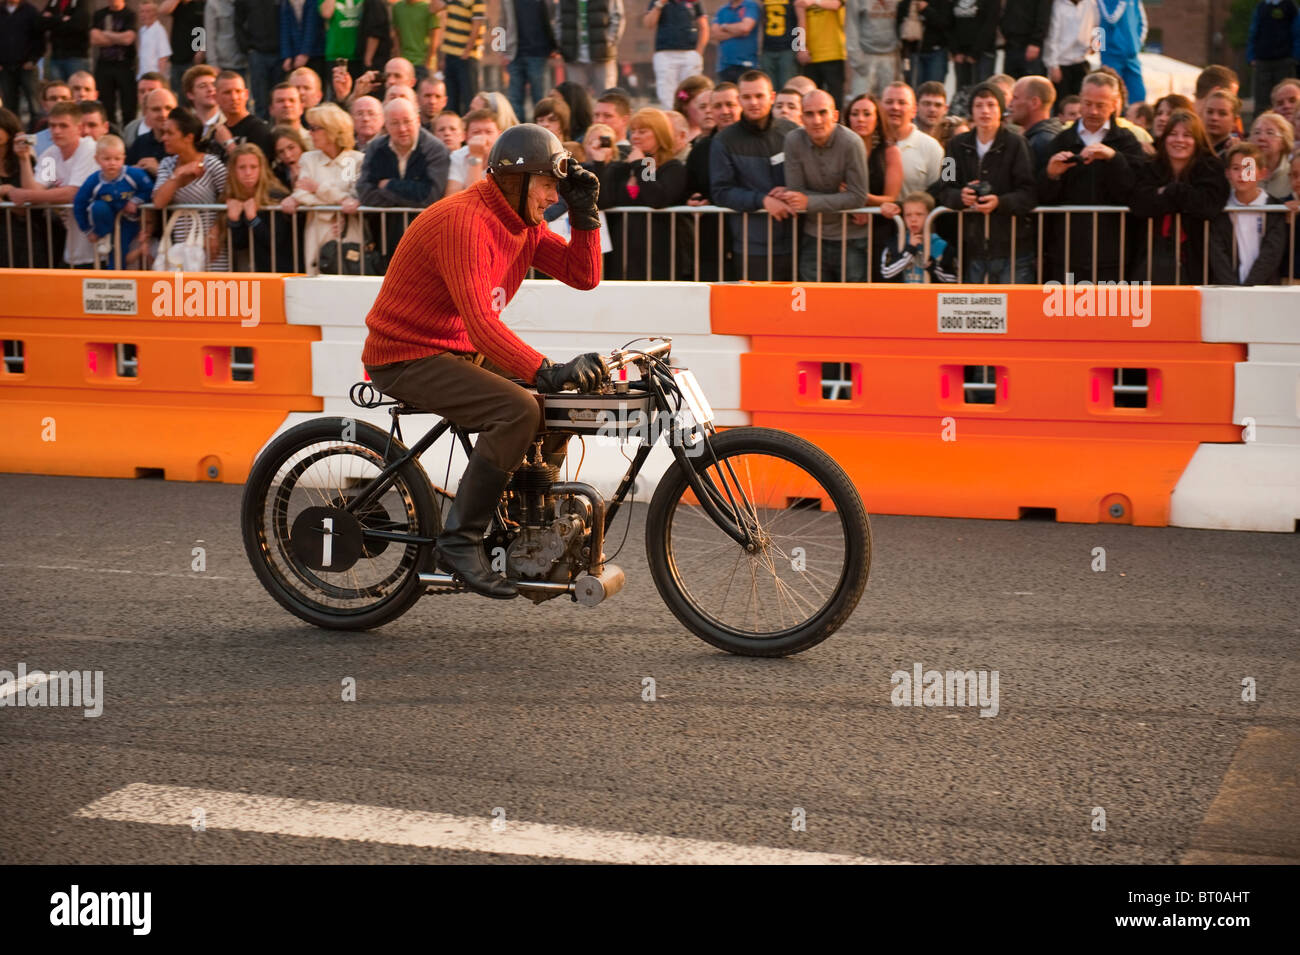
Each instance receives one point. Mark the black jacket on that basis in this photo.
(697, 166)
(1108, 183)
(1267, 269)
(602, 44)
(1040, 137)
(1024, 22)
(667, 188)
(1197, 197)
(377, 22)
(937, 20)
(974, 27)
(424, 182)
(22, 37)
(741, 174)
(257, 26)
(1098, 183)
(254, 238)
(1008, 167)
(70, 31)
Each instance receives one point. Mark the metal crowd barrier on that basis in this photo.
(153, 219)
(1123, 212)
(705, 264)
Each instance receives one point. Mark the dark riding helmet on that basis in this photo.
(528, 149)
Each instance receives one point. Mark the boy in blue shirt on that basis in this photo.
(116, 188)
(910, 264)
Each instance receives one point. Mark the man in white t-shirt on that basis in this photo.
(155, 51)
(57, 174)
(469, 162)
(921, 154)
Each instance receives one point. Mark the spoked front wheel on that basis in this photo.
(810, 558)
(311, 550)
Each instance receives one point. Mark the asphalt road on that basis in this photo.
(1118, 690)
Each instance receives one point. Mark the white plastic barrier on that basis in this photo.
(1256, 485)
(557, 320)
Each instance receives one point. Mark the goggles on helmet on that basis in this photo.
(557, 167)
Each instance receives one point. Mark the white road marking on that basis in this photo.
(112, 570)
(21, 686)
(175, 806)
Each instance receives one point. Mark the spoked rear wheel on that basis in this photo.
(813, 545)
(310, 551)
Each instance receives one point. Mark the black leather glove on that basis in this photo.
(586, 373)
(580, 189)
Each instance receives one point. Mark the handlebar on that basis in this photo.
(621, 357)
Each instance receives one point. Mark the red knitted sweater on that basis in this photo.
(438, 293)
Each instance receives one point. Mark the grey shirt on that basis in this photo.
(819, 171)
(871, 26)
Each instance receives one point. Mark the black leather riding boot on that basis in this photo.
(460, 545)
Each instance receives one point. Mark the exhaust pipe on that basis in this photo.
(588, 590)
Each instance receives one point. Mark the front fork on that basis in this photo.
(730, 516)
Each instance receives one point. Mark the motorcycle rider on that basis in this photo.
(435, 336)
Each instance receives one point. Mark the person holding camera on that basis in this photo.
(1094, 162)
(992, 183)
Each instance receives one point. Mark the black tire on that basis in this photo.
(698, 607)
(408, 506)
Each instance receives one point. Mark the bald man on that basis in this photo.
(801, 83)
(147, 151)
(367, 119)
(399, 70)
(826, 172)
(307, 82)
(400, 91)
(406, 166)
(1032, 99)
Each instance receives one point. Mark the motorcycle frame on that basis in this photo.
(724, 510)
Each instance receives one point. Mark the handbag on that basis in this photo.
(187, 256)
(327, 263)
(912, 28)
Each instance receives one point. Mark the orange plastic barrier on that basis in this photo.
(128, 374)
(1057, 436)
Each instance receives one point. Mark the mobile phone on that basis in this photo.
(341, 61)
(606, 142)
(1071, 159)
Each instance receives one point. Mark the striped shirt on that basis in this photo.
(208, 189)
(460, 15)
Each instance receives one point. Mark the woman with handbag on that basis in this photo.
(326, 176)
(188, 175)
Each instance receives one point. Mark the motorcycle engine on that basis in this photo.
(552, 530)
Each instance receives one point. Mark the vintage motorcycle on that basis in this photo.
(757, 540)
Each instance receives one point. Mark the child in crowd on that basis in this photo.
(251, 186)
(1247, 247)
(116, 188)
(910, 263)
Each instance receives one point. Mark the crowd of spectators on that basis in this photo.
(306, 119)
